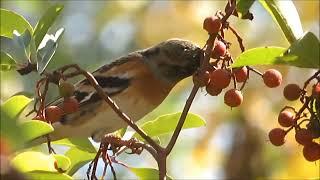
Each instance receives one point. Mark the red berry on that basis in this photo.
(220, 49)
(276, 136)
(303, 136)
(233, 98)
(201, 78)
(311, 152)
(241, 74)
(292, 92)
(272, 78)
(212, 24)
(70, 105)
(53, 113)
(213, 90)
(316, 90)
(220, 78)
(286, 119)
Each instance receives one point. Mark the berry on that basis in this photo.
(286, 119)
(303, 136)
(220, 78)
(5, 148)
(201, 78)
(272, 78)
(241, 74)
(220, 49)
(212, 24)
(292, 92)
(276, 136)
(70, 105)
(213, 90)
(66, 89)
(233, 98)
(311, 151)
(53, 113)
(316, 90)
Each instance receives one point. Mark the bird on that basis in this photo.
(137, 82)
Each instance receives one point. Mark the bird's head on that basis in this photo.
(173, 60)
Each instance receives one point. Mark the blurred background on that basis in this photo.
(234, 143)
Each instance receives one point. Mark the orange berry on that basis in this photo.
(311, 152)
(53, 113)
(241, 74)
(70, 105)
(292, 92)
(316, 90)
(285, 118)
(213, 90)
(303, 136)
(219, 49)
(212, 24)
(220, 78)
(272, 78)
(276, 136)
(233, 98)
(201, 78)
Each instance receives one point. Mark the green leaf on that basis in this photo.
(120, 132)
(6, 62)
(303, 53)
(32, 161)
(81, 143)
(12, 21)
(286, 16)
(147, 173)
(167, 123)
(47, 175)
(10, 131)
(259, 56)
(63, 162)
(15, 105)
(47, 48)
(78, 159)
(17, 47)
(35, 128)
(243, 6)
(46, 22)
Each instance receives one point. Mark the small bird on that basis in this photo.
(138, 83)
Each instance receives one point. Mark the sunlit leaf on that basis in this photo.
(47, 175)
(32, 161)
(259, 56)
(147, 173)
(302, 53)
(62, 162)
(284, 13)
(11, 21)
(46, 22)
(35, 128)
(167, 123)
(47, 48)
(81, 143)
(15, 105)
(78, 159)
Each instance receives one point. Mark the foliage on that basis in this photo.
(21, 44)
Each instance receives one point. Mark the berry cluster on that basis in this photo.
(69, 105)
(305, 121)
(219, 74)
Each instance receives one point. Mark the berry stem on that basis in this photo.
(254, 70)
